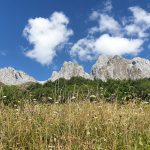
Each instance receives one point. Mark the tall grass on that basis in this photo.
(75, 126)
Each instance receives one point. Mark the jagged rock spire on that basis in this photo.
(117, 67)
(69, 70)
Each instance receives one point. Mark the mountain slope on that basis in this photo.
(106, 67)
(10, 76)
(117, 67)
(69, 70)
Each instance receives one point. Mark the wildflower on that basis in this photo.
(4, 96)
(15, 105)
(49, 98)
(104, 139)
(100, 106)
(59, 97)
(17, 109)
(95, 117)
(55, 112)
(145, 102)
(55, 139)
(140, 141)
(88, 133)
(73, 98)
(92, 96)
(51, 147)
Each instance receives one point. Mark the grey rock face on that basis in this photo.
(69, 70)
(116, 67)
(106, 67)
(10, 76)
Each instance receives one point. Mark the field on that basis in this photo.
(75, 126)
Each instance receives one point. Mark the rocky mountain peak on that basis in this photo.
(10, 76)
(106, 67)
(69, 70)
(104, 59)
(117, 67)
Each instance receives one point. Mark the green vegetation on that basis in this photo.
(78, 89)
(77, 114)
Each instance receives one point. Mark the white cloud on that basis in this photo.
(84, 49)
(94, 15)
(108, 24)
(108, 6)
(140, 15)
(46, 34)
(110, 45)
(90, 49)
(113, 37)
(135, 30)
(139, 22)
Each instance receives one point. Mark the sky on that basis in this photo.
(37, 36)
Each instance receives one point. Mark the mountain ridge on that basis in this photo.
(106, 67)
(70, 69)
(11, 76)
(117, 67)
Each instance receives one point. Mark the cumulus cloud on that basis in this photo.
(90, 49)
(106, 23)
(84, 49)
(114, 37)
(135, 30)
(46, 35)
(109, 24)
(110, 45)
(140, 15)
(140, 22)
(106, 9)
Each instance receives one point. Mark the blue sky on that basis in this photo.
(37, 36)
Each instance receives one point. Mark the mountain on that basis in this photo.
(69, 70)
(10, 76)
(117, 67)
(106, 67)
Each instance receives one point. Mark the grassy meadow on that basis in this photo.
(75, 126)
(76, 114)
